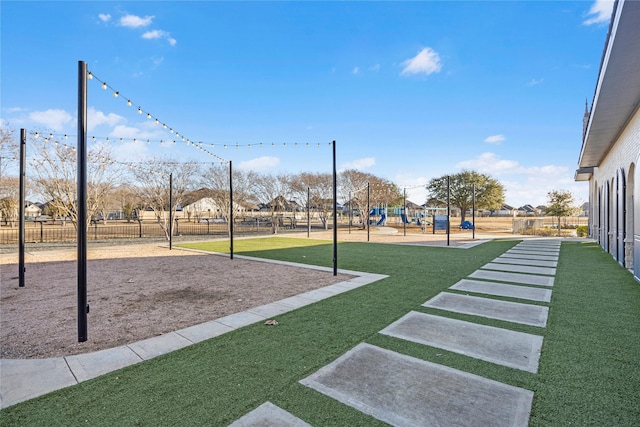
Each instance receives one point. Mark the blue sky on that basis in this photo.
(409, 90)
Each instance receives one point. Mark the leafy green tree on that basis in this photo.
(489, 192)
(560, 204)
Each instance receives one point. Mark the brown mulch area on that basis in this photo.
(134, 293)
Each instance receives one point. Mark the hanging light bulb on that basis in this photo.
(134, 140)
(89, 76)
(148, 142)
(273, 145)
(261, 145)
(164, 125)
(128, 103)
(225, 146)
(50, 136)
(249, 146)
(36, 135)
(107, 140)
(104, 86)
(115, 94)
(139, 110)
(148, 116)
(65, 136)
(157, 121)
(237, 146)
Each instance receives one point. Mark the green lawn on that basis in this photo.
(589, 370)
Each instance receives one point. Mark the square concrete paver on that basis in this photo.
(503, 289)
(501, 276)
(404, 391)
(496, 345)
(269, 415)
(533, 251)
(529, 256)
(549, 271)
(527, 314)
(524, 261)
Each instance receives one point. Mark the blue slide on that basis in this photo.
(405, 220)
(382, 220)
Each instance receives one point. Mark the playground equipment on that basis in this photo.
(466, 225)
(404, 218)
(382, 220)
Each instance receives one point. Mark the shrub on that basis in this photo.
(582, 230)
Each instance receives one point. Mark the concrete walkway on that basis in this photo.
(23, 379)
(404, 391)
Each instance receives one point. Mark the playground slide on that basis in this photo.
(383, 218)
(405, 220)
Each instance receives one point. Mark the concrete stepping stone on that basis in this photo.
(524, 261)
(496, 345)
(538, 246)
(549, 271)
(527, 279)
(269, 415)
(529, 256)
(527, 314)
(405, 391)
(534, 251)
(504, 290)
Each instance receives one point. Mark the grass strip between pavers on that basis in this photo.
(589, 373)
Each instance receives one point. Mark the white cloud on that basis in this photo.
(359, 164)
(375, 67)
(534, 82)
(104, 17)
(52, 119)
(356, 70)
(490, 163)
(527, 184)
(96, 118)
(414, 185)
(495, 139)
(159, 34)
(133, 21)
(260, 164)
(600, 12)
(427, 61)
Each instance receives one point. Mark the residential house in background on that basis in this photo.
(610, 149)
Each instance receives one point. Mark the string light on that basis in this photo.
(116, 94)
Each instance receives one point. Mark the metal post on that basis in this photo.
(23, 163)
(349, 212)
(230, 209)
(335, 213)
(83, 307)
(170, 211)
(404, 208)
(473, 211)
(368, 208)
(308, 212)
(448, 207)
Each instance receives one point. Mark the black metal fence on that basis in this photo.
(61, 231)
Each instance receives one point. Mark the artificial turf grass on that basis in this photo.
(589, 372)
(199, 383)
(217, 381)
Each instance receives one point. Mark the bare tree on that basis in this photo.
(273, 191)
(356, 183)
(9, 190)
(152, 177)
(319, 188)
(54, 166)
(216, 183)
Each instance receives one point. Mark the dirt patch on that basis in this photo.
(134, 293)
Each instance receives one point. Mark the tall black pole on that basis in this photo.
(23, 167)
(170, 211)
(448, 207)
(473, 212)
(308, 212)
(83, 307)
(368, 208)
(404, 207)
(349, 212)
(230, 209)
(335, 213)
